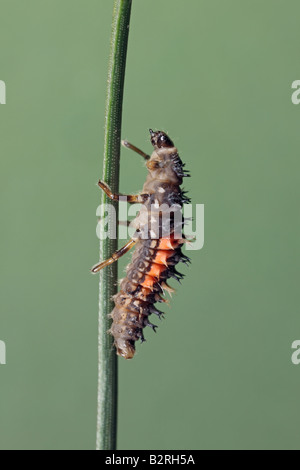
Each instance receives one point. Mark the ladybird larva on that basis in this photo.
(158, 240)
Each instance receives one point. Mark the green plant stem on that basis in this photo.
(107, 378)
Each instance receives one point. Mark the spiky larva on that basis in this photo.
(157, 248)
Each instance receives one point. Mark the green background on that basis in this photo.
(217, 76)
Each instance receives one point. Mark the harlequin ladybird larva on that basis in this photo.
(158, 240)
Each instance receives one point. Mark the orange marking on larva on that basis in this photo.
(156, 270)
(168, 244)
(162, 257)
(165, 244)
(148, 282)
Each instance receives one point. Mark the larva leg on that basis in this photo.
(114, 257)
(140, 198)
(135, 149)
(123, 223)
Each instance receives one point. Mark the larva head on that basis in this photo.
(160, 140)
(162, 164)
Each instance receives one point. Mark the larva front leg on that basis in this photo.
(136, 198)
(130, 146)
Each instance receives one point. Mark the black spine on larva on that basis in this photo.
(155, 257)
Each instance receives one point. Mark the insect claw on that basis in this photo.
(157, 312)
(161, 316)
(185, 259)
(175, 274)
(141, 336)
(148, 323)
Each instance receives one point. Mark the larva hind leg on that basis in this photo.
(137, 198)
(128, 145)
(114, 257)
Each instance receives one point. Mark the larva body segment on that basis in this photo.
(157, 250)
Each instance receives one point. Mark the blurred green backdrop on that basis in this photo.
(217, 75)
